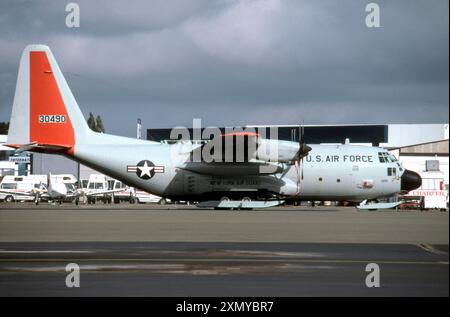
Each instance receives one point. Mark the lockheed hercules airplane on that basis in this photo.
(46, 118)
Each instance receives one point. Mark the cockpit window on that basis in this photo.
(386, 157)
(382, 157)
(393, 158)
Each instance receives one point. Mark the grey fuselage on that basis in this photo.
(328, 172)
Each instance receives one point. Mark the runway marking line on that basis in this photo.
(227, 260)
(42, 251)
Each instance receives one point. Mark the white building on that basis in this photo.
(415, 157)
(6, 167)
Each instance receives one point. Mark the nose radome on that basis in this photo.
(410, 180)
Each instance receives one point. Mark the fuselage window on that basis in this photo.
(320, 179)
(392, 171)
(338, 180)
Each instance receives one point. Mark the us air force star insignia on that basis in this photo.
(145, 169)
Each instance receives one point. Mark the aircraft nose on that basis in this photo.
(410, 180)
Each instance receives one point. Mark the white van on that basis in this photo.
(21, 184)
(98, 182)
(25, 184)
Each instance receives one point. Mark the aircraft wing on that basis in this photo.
(256, 156)
(39, 147)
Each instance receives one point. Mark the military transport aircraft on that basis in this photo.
(46, 118)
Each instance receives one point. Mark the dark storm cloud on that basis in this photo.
(239, 62)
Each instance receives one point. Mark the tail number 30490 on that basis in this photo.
(53, 118)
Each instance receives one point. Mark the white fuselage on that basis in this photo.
(328, 172)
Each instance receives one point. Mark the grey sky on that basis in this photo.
(239, 62)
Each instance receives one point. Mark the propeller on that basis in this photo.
(303, 150)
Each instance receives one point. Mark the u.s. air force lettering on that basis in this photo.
(145, 169)
(340, 158)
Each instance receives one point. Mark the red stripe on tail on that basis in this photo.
(49, 120)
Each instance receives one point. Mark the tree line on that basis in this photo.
(95, 123)
(4, 126)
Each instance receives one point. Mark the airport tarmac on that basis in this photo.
(150, 250)
(174, 223)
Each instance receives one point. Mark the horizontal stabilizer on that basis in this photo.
(41, 148)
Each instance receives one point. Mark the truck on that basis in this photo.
(97, 183)
(433, 193)
(126, 194)
(133, 195)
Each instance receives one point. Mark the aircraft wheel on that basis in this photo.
(224, 198)
(246, 198)
(77, 201)
(162, 201)
(9, 199)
